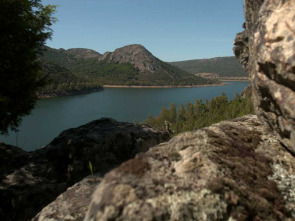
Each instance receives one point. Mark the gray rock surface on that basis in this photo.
(11, 158)
(268, 43)
(72, 204)
(28, 185)
(227, 171)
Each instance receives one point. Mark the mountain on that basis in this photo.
(224, 66)
(137, 55)
(129, 65)
(69, 57)
(141, 68)
(82, 53)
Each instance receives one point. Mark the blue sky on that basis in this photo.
(172, 30)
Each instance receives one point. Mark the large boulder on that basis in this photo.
(11, 158)
(30, 181)
(267, 50)
(234, 170)
(73, 203)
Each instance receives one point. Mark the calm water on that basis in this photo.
(52, 116)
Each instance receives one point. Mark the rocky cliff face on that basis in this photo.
(135, 54)
(29, 181)
(267, 49)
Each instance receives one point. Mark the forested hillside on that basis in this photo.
(224, 66)
(61, 81)
(202, 114)
(129, 65)
(67, 58)
(111, 73)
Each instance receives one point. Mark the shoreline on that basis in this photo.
(235, 80)
(164, 86)
(68, 94)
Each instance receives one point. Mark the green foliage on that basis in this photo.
(127, 74)
(198, 115)
(91, 168)
(121, 73)
(25, 26)
(108, 73)
(171, 75)
(62, 81)
(224, 66)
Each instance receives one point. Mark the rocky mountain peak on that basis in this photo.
(135, 54)
(83, 53)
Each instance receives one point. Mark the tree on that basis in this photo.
(173, 113)
(25, 26)
(190, 116)
(181, 113)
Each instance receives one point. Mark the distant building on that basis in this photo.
(208, 75)
(216, 76)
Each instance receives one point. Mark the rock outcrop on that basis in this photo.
(267, 49)
(11, 158)
(29, 181)
(234, 170)
(72, 204)
(135, 54)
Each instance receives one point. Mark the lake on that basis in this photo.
(52, 116)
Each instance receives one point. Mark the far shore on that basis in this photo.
(66, 94)
(167, 86)
(235, 80)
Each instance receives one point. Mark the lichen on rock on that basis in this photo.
(270, 47)
(221, 172)
(73, 203)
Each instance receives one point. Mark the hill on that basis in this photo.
(62, 82)
(69, 57)
(224, 66)
(135, 65)
(129, 65)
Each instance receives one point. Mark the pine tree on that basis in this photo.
(25, 26)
